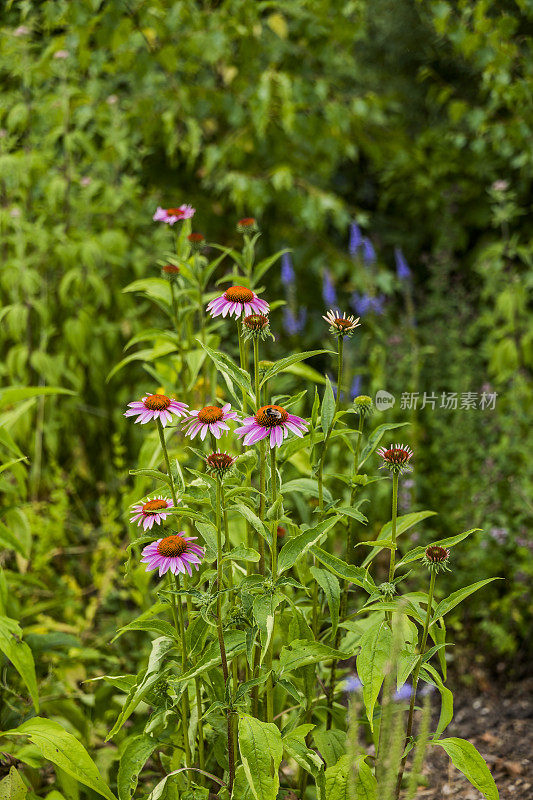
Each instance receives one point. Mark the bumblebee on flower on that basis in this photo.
(273, 422)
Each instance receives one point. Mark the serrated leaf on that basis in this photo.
(403, 524)
(356, 575)
(327, 409)
(302, 652)
(284, 363)
(457, 597)
(337, 780)
(418, 552)
(298, 546)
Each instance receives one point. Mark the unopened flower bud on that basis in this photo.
(170, 272)
(436, 558)
(363, 405)
(220, 464)
(196, 241)
(247, 225)
(256, 326)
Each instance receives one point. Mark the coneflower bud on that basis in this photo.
(170, 271)
(363, 405)
(247, 225)
(436, 558)
(256, 326)
(281, 532)
(220, 464)
(264, 366)
(196, 241)
(388, 590)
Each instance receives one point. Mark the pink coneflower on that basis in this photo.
(210, 419)
(175, 553)
(156, 406)
(271, 421)
(236, 301)
(153, 511)
(396, 457)
(172, 215)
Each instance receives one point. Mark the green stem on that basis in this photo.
(262, 472)
(416, 675)
(393, 525)
(177, 617)
(220, 633)
(167, 461)
(274, 567)
(315, 611)
(242, 359)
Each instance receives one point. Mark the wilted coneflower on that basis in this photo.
(272, 421)
(236, 301)
(220, 464)
(173, 215)
(152, 511)
(396, 457)
(175, 553)
(247, 225)
(256, 326)
(341, 326)
(209, 419)
(156, 406)
(436, 558)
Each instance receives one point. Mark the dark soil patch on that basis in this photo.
(499, 722)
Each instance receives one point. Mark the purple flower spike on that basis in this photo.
(288, 275)
(328, 290)
(402, 267)
(356, 239)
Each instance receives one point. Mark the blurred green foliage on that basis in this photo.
(399, 115)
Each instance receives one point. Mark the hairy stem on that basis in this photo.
(416, 675)
(274, 568)
(167, 461)
(177, 617)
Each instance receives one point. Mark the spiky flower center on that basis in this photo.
(256, 322)
(238, 294)
(195, 237)
(172, 546)
(171, 269)
(157, 402)
(153, 506)
(397, 455)
(342, 323)
(271, 416)
(436, 554)
(176, 212)
(219, 461)
(247, 222)
(210, 414)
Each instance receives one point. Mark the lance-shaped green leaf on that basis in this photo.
(356, 575)
(298, 546)
(467, 760)
(332, 591)
(235, 643)
(264, 609)
(327, 409)
(331, 744)
(365, 786)
(263, 266)
(12, 787)
(376, 644)
(295, 746)
(133, 758)
(375, 438)
(261, 750)
(63, 749)
(337, 780)
(159, 350)
(418, 552)
(146, 679)
(242, 554)
(457, 597)
(403, 524)
(284, 363)
(306, 486)
(254, 521)
(20, 655)
(160, 626)
(155, 474)
(301, 653)
(225, 365)
(430, 674)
